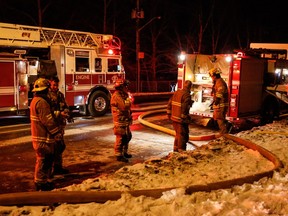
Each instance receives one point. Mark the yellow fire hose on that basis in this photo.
(169, 131)
(56, 197)
(271, 132)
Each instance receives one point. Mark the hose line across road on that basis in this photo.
(167, 130)
(73, 197)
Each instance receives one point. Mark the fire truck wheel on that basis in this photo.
(98, 104)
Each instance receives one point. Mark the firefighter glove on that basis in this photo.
(64, 114)
(127, 102)
(70, 119)
(58, 136)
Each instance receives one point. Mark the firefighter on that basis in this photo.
(220, 99)
(122, 119)
(44, 131)
(61, 113)
(178, 111)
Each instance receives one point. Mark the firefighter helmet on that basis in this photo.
(214, 71)
(188, 84)
(121, 83)
(40, 85)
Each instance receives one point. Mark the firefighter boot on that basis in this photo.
(48, 186)
(122, 159)
(126, 155)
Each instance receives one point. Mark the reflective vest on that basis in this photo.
(121, 109)
(179, 105)
(220, 90)
(43, 125)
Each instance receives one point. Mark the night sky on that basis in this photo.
(223, 25)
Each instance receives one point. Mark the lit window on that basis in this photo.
(82, 61)
(98, 65)
(113, 65)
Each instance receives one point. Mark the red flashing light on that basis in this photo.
(22, 88)
(240, 54)
(110, 52)
(180, 65)
(69, 87)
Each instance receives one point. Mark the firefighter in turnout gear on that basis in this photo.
(44, 131)
(61, 113)
(220, 99)
(122, 119)
(178, 111)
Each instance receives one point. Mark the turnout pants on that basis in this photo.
(123, 137)
(181, 136)
(44, 161)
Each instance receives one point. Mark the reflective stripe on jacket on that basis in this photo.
(43, 125)
(121, 109)
(179, 105)
(220, 90)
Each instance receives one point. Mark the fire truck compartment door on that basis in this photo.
(251, 86)
(7, 83)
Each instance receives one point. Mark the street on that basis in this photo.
(89, 150)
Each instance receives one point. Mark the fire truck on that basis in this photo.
(269, 46)
(87, 65)
(257, 82)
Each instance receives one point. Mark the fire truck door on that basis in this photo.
(7, 86)
(82, 76)
(246, 87)
(114, 72)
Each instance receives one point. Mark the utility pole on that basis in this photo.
(138, 48)
(138, 14)
(105, 16)
(39, 13)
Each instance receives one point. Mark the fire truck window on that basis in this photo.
(82, 61)
(285, 76)
(113, 65)
(98, 64)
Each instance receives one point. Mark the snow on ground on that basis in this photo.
(220, 160)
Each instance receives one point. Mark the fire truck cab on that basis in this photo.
(257, 85)
(87, 64)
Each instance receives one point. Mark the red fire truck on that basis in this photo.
(87, 65)
(257, 82)
(269, 46)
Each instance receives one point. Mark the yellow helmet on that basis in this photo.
(214, 71)
(40, 85)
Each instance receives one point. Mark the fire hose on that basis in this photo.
(73, 197)
(169, 131)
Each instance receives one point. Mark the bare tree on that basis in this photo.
(42, 11)
(39, 13)
(106, 5)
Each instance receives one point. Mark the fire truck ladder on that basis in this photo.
(32, 36)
